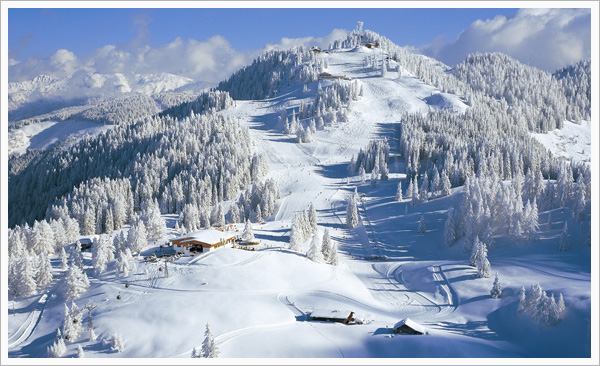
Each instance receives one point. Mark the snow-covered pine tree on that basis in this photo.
(399, 192)
(137, 239)
(533, 299)
(333, 256)
(248, 235)
(209, 348)
(450, 229)
(101, 253)
(312, 217)
(155, 224)
(560, 304)
(445, 184)
(424, 192)
(24, 281)
(415, 192)
(73, 323)
(326, 245)
(76, 282)
(314, 252)
(483, 264)
(352, 213)
(63, 259)
(58, 348)
(563, 243)
(422, 227)
(435, 183)
(296, 236)
(80, 353)
(496, 291)
(475, 252)
(44, 276)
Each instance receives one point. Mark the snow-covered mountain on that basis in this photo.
(79, 87)
(427, 183)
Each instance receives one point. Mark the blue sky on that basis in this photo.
(82, 35)
(40, 32)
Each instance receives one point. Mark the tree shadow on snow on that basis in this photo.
(475, 329)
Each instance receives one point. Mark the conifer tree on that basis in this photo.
(483, 264)
(63, 259)
(209, 348)
(399, 192)
(496, 291)
(326, 245)
(475, 252)
(314, 253)
(312, 216)
(333, 256)
(44, 276)
(415, 192)
(352, 213)
(450, 229)
(248, 235)
(76, 281)
(24, 282)
(58, 348)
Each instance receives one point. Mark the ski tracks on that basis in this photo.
(29, 325)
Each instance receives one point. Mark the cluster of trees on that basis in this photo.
(576, 83)
(543, 309)
(200, 159)
(488, 204)
(330, 107)
(209, 101)
(272, 70)
(534, 97)
(304, 226)
(123, 110)
(255, 204)
(373, 159)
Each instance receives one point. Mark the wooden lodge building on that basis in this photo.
(408, 326)
(202, 241)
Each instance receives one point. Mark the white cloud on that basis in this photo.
(546, 38)
(321, 42)
(211, 60)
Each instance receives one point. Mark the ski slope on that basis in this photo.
(257, 302)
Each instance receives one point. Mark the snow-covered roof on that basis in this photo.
(330, 314)
(208, 236)
(412, 324)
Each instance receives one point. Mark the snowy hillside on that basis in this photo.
(428, 197)
(45, 94)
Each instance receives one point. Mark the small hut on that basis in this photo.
(408, 326)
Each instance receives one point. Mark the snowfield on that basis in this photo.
(258, 302)
(574, 141)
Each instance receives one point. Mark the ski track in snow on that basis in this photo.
(26, 329)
